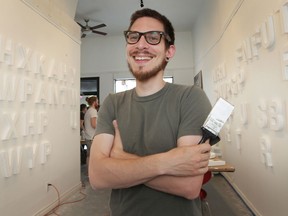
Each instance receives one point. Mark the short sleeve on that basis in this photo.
(106, 115)
(195, 108)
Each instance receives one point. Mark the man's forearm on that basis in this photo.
(118, 173)
(187, 187)
(180, 168)
(106, 171)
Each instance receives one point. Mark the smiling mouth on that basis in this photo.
(142, 58)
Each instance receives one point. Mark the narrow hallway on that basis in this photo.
(222, 199)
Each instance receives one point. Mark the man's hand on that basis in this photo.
(117, 149)
(189, 160)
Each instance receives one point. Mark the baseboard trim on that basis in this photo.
(63, 197)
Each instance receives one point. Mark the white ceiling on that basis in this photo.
(116, 13)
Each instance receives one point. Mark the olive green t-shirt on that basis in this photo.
(150, 125)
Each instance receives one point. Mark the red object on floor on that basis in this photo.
(206, 178)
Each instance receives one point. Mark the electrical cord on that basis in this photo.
(53, 211)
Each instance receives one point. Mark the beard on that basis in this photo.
(142, 75)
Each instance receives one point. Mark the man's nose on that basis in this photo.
(142, 42)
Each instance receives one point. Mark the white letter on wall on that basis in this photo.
(16, 155)
(9, 128)
(262, 118)
(9, 85)
(276, 115)
(238, 138)
(268, 33)
(5, 164)
(284, 12)
(26, 89)
(244, 113)
(284, 61)
(29, 123)
(44, 151)
(10, 161)
(24, 57)
(42, 121)
(31, 155)
(7, 51)
(266, 151)
(41, 93)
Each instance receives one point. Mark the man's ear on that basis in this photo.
(170, 51)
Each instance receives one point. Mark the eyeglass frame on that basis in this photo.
(161, 33)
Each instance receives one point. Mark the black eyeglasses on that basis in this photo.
(151, 37)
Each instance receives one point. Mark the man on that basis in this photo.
(83, 109)
(145, 147)
(90, 122)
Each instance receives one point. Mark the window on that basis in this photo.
(129, 83)
(89, 86)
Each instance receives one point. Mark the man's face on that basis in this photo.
(96, 104)
(146, 60)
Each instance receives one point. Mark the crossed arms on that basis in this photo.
(178, 171)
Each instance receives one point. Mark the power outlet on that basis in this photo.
(48, 186)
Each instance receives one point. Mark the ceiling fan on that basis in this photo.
(85, 29)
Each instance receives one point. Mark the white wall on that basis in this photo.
(39, 109)
(105, 57)
(251, 78)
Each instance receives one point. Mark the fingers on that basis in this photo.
(115, 124)
(117, 143)
(206, 147)
(117, 149)
(201, 165)
(203, 151)
(117, 132)
(116, 128)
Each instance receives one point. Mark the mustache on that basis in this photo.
(137, 52)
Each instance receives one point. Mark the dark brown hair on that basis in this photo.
(146, 12)
(82, 107)
(91, 99)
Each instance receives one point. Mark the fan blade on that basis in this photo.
(83, 36)
(98, 26)
(98, 32)
(81, 25)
